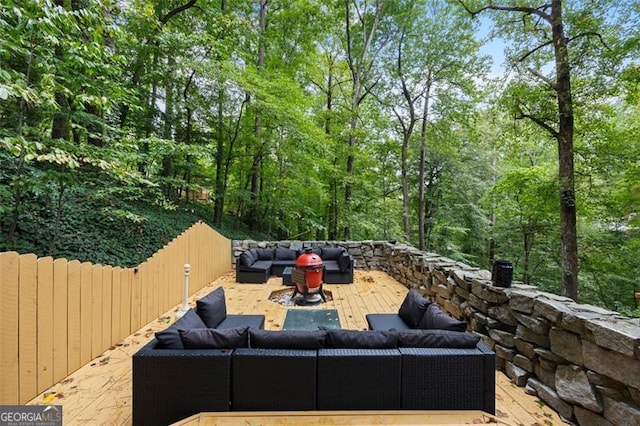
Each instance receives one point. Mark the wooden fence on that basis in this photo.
(57, 315)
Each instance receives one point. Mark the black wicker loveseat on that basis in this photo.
(256, 265)
(251, 369)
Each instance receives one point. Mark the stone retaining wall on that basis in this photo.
(581, 360)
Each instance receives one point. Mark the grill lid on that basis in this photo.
(308, 259)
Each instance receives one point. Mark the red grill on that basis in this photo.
(307, 276)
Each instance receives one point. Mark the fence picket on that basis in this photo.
(28, 327)
(45, 323)
(86, 311)
(107, 297)
(73, 315)
(9, 351)
(96, 310)
(60, 319)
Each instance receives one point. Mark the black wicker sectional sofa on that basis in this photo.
(256, 265)
(247, 368)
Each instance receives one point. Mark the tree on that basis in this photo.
(431, 69)
(562, 128)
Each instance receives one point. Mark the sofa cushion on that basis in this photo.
(331, 253)
(213, 338)
(212, 308)
(242, 320)
(436, 339)
(260, 266)
(434, 318)
(170, 337)
(413, 308)
(287, 339)
(386, 322)
(344, 261)
(361, 339)
(283, 253)
(265, 253)
(246, 258)
(331, 265)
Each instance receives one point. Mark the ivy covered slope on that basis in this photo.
(97, 227)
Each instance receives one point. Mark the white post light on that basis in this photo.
(185, 304)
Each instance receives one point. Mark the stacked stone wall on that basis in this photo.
(583, 361)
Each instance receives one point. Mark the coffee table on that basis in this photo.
(311, 319)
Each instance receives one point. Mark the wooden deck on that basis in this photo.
(99, 393)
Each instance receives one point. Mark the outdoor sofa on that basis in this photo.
(256, 265)
(251, 369)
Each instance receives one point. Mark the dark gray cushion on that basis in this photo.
(170, 338)
(287, 339)
(361, 339)
(386, 322)
(242, 320)
(413, 308)
(344, 261)
(212, 308)
(331, 265)
(283, 253)
(265, 253)
(435, 339)
(435, 319)
(331, 253)
(212, 338)
(246, 259)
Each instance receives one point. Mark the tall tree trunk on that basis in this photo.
(253, 217)
(568, 227)
(218, 204)
(358, 69)
(167, 159)
(422, 166)
(61, 125)
(332, 208)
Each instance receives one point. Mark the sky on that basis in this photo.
(493, 48)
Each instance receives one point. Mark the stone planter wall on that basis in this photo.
(581, 360)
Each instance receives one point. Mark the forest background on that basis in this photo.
(124, 121)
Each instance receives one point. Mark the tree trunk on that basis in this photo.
(218, 203)
(167, 159)
(422, 166)
(358, 68)
(218, 206)
(565, 154)
(253, 216)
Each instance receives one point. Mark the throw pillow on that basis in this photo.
(170, 337)
(361, 339)
(331, 253)
(212, 308)
(436, 339)
(344, 262)
(246, 258)
(286, 339)
(265, 253)
(434, 318)
(213, 338)
(285, 254)
(413, 308)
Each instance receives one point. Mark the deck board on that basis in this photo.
(100, 392)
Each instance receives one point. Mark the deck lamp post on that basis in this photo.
(185, 303)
